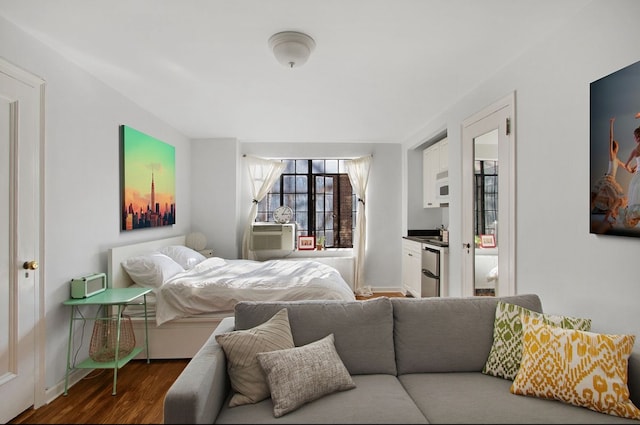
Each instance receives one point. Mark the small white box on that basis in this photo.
(87, 286)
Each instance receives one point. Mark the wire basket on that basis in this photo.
(104, 338)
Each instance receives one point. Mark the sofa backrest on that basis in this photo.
(363, 330)
(447, 334)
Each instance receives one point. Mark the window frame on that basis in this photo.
(483, 195)
(307, 212)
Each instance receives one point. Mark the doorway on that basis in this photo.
(488, 200)
(21, 228)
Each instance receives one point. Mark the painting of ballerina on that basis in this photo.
(615, 153)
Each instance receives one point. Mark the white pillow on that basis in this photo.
(151, 270)
(183, 255)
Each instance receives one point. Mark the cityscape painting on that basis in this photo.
(615, 153)
(147, 174)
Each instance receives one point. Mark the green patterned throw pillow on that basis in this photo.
(506, 351)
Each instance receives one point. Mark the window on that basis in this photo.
(320, 194)
(486, 192)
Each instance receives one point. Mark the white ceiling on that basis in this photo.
(380, 71)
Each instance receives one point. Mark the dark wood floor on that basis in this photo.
(381, 294)
(139, 397)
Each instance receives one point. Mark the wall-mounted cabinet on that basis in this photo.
(443, 154)
(430, 161)
(435, 182)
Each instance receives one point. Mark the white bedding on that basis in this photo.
(217, 284)
(492, 276)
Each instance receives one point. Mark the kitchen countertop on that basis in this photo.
(429, 240)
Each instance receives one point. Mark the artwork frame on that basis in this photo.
(147, 181)
(614, 168)
(487, 241)
(306, 243)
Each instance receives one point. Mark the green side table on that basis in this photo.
(119, 298)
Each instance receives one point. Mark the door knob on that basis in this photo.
(30, 265)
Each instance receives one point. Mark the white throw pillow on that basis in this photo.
(183, 255)
(241, 347)
(151, 270)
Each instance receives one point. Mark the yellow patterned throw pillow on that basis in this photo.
(576, 367)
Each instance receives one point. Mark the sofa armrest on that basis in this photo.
(198, 393)
(633, 378)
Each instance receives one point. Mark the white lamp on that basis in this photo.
(196, 241)
(291, 48)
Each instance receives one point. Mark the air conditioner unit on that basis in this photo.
(272, 236)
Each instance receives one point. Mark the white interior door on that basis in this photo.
(21, 367)
(497, 120)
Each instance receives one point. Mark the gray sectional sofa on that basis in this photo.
(412, 360)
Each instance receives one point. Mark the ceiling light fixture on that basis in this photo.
(291, 48)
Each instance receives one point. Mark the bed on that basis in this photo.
(190, 298)
(486, 269)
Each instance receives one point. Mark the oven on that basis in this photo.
(430, 279)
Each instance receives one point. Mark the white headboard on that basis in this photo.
(116, 276)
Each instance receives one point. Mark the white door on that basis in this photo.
(496, 121)
(20, 227)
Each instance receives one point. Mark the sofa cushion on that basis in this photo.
(475, 398)
(378, 398)
(300, 375)
(577, 367)
(241, 347)
(448, 334)
(363, 330)
(506, 351)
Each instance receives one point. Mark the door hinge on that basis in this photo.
(508, 123)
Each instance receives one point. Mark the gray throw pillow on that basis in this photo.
(240, 347)
(300, 375)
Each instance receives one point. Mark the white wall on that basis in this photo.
(573, 271)
(82, 180)
(214, 187)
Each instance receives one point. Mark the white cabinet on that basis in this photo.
(435, 160)
(412, 267)
(443, 154)
(430, 163)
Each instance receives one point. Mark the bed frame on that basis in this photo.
(177, 339)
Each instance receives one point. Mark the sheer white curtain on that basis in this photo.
(262, 174)
(358, 170)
